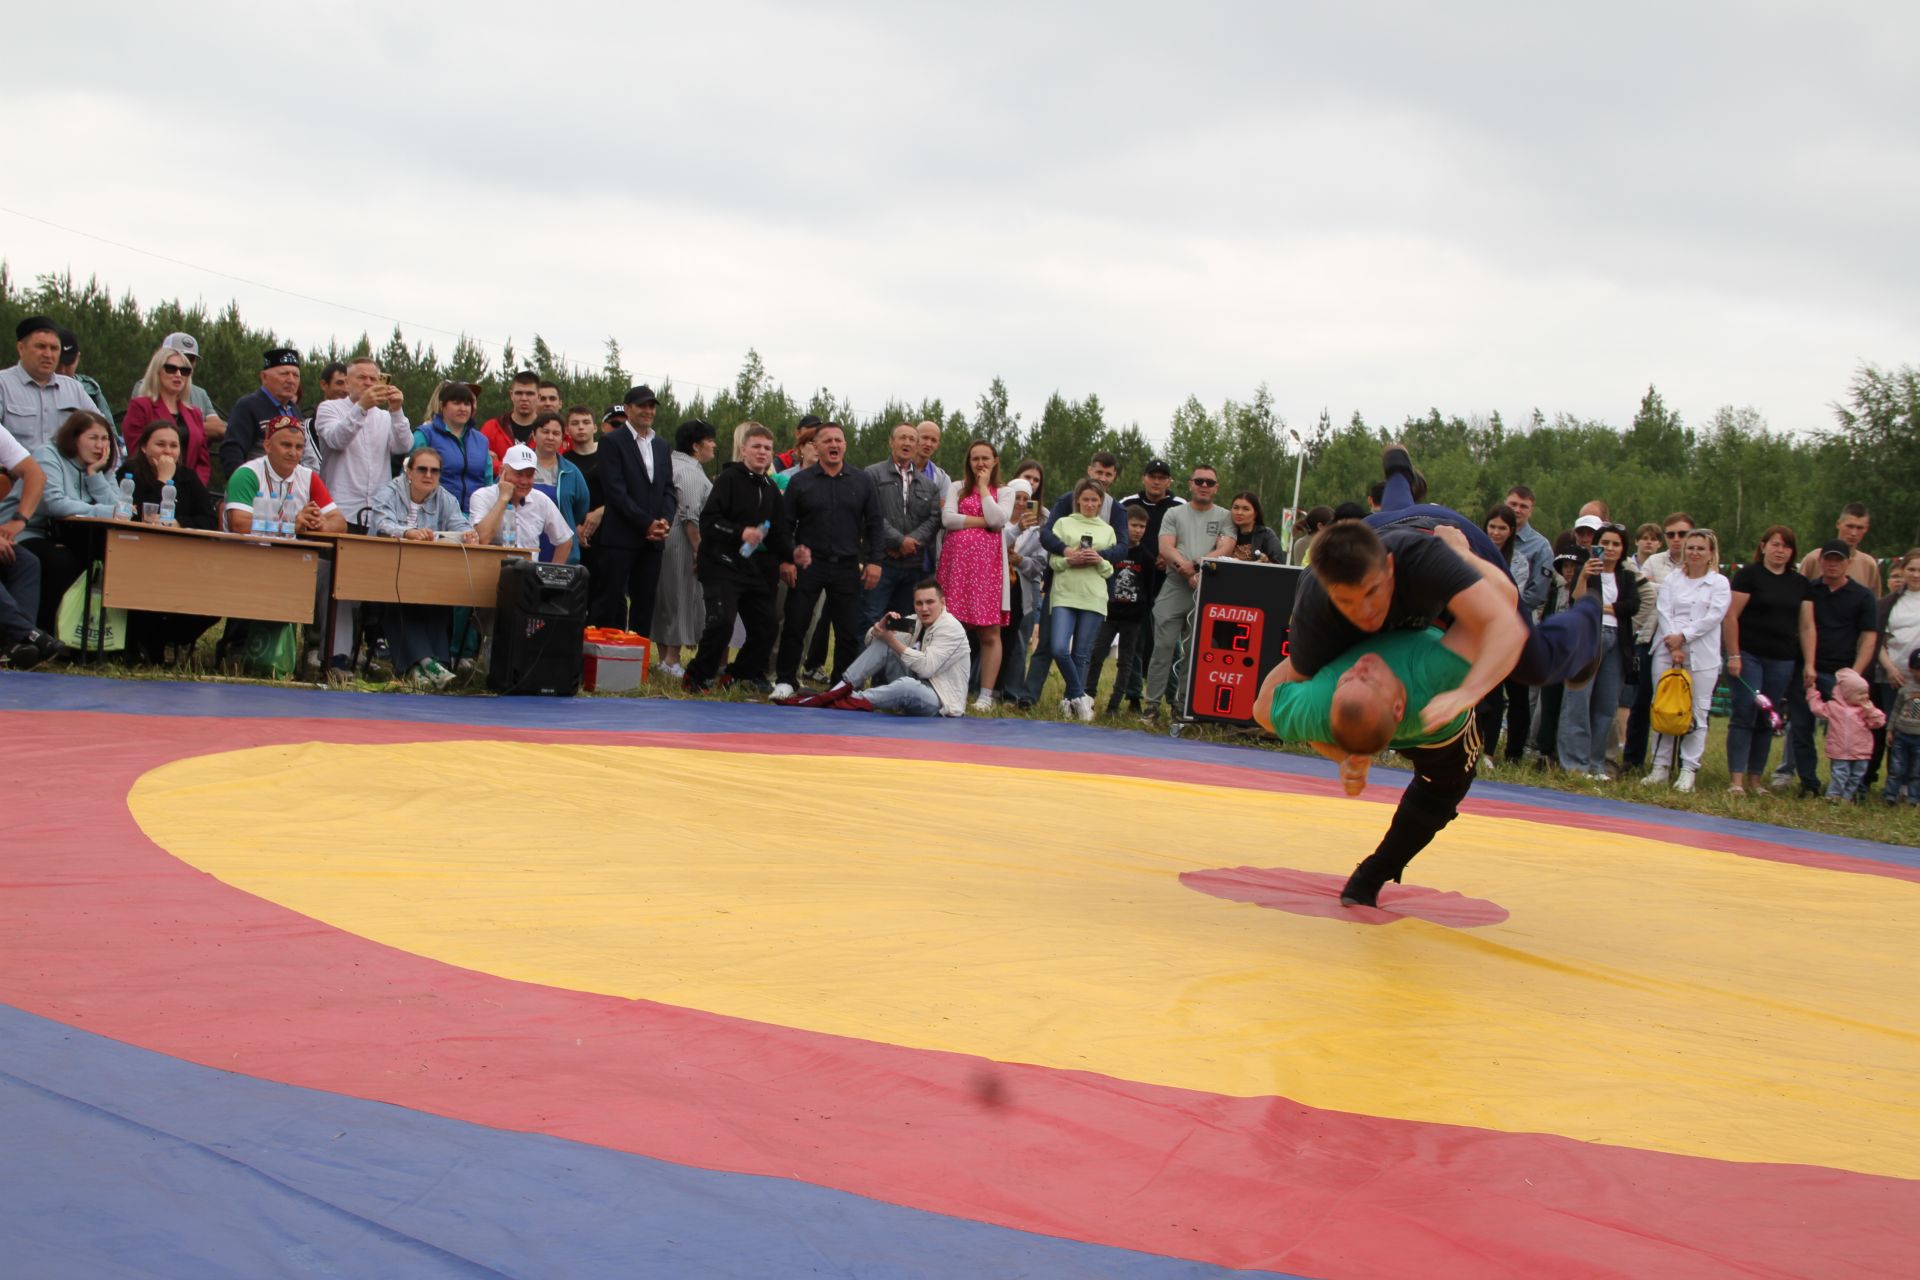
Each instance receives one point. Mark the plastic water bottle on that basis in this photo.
(263, 518)
(748, 548)
(123, 509)
(507, 524)
(289, 521)
(168, 497)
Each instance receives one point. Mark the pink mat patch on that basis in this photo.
(1313, 893)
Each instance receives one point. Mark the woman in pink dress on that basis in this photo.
(973, 559)
(166, 395)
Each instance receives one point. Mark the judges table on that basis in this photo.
(408, 571)
(215, 575)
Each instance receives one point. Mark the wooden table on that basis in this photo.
(405, 571)
(196, 571)
(411, 571)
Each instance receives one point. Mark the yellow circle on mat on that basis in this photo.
(1642, 993)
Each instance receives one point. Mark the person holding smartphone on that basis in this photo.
(1079, 594)
(916, 666)
(1586, 711)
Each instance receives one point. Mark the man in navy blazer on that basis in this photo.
(636, 475)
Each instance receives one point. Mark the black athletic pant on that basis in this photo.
(728, 595)
(840, 580)
(1441, 777)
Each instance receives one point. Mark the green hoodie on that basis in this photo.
(1083, 588)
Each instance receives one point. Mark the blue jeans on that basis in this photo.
(19, 594)
(895, 687)
(1806, 759)
(1039, 663)
(1903, 767)
(1847, 777)
(1074, 631)
(1586, 713)
(1749, 737)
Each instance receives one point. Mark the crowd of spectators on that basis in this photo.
(892, 586)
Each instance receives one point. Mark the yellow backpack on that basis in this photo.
(1673, 703)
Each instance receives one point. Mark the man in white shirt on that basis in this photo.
(23, 642)
(360, 434)
(922, 674)
(533, 512)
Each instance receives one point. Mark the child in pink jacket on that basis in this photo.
(1851, 719)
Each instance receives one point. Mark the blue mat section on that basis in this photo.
(115, 1161)
(37, 691)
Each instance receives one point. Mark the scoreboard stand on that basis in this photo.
(1237, 633)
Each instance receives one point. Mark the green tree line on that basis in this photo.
(1732, 472)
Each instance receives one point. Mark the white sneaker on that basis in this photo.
(1656, 777)
(1686, 781)
(779, 691)
(984, 703)
(672, 669)
(816, 674)
(1083, 708)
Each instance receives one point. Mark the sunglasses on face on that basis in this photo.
(179, 370)
(428, 471)
(1200, 482)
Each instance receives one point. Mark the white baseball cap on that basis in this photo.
(519, 458)
(1589, 522)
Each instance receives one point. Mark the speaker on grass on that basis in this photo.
(538, 627)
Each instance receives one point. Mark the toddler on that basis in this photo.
(1903, 737)
(1851, 719)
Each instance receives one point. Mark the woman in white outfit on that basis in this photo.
(1686, 633)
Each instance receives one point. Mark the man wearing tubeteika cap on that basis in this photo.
(277, 397)
(636, 482)
(189, 346)
(34, 397)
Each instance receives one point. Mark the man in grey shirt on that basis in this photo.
(1188, 534)
(910, 513)
(34, 398)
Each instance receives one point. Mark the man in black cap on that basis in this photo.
(277, 397)
(1839, 627)
(1156, 498)
(70, 368)
(34, 398)
(636, 481)
(791, 458)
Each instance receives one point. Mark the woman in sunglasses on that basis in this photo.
(415, 506)
(166, 395)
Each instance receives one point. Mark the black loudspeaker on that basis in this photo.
(538, 629)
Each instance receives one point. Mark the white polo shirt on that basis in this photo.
(535, 516)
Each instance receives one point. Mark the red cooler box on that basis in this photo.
(614, 661)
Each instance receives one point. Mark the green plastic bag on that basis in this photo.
(109, 631)
(271, 649)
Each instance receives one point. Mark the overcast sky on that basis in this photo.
(1371, 207)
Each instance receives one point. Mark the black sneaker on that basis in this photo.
(23, 654)
(1363, 886)
(1394, 457)
(50, 646)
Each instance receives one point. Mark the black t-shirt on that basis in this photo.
(1426, 575)
(589, 464)
(1770, 624)
(1840, 618)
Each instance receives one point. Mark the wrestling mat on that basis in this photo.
(322, 984)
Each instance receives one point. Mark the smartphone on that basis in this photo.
(1596, 552)
(902, 625)
(1086, 542)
